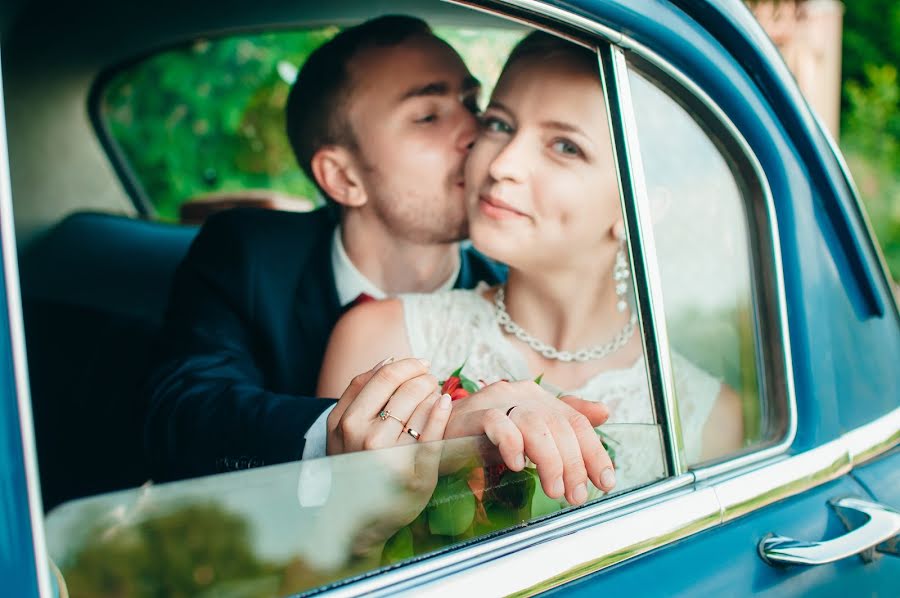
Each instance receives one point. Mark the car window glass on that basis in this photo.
(701, 194)
(205, 121)
(283, 529)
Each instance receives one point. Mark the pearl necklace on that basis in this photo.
(550, 352)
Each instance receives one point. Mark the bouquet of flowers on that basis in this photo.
(476, 499)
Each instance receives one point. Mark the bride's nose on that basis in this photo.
(511, 162)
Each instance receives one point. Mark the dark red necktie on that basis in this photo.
(360, 299)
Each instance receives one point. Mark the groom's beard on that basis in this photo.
(420, 215)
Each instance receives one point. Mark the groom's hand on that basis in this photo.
(557, 434)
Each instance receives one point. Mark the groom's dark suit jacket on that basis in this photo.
(249, 317)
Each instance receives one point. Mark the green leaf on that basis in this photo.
(539, 379)
(458, 371)
(452, 507)
(607, 444)
(541, 504)
(398, 547)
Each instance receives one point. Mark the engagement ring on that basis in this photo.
(387, 414)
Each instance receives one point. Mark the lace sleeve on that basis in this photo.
(439, 328)
(697, 392)
(451, 327)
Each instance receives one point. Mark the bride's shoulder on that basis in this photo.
(364, 335)
(383, 318)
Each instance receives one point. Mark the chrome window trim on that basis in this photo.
(20, 367)
(458, 561)
(861, 209)
(704, 472)
(639, 224)
(575, 555)
(605, 539)
(874, 439)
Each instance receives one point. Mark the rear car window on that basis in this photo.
(205, 120)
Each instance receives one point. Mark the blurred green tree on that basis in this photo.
(870, 115)
(208, 117)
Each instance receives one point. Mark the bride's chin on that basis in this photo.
(491, 245)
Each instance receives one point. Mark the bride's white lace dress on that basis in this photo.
(452, 327)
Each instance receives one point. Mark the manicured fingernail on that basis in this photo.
(580, 494)
(608, 478)
(558, 487)
(519, 462)
(383, 363)
(425, 363)
(444, 403)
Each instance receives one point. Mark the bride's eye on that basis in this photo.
(566, 147)
(494, 124)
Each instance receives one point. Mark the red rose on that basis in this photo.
(459, 393)
(451, 384)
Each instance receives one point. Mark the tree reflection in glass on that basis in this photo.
(287, 528)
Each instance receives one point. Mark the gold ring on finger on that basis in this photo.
(387, 414)
(413, 433)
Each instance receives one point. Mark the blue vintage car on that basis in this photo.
(752, 259)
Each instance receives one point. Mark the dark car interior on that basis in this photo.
(94, 289)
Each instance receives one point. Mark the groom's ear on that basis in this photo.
(336, 172)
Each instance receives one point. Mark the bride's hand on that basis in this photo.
(522, 419)
(404, 392)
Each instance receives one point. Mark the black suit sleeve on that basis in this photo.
(207, 406)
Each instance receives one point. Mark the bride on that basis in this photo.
(542, 196)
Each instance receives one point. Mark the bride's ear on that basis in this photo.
(617, 230)
(336, 172)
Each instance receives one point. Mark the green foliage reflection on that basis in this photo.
(176, 554)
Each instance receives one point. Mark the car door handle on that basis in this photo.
(882, 526)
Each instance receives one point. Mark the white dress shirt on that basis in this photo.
(350, 283)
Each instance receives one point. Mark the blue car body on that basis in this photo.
(843, 328)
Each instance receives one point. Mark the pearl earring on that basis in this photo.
(621, 273)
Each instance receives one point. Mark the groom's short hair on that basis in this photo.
(316, 111)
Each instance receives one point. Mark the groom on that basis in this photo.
(381, 118)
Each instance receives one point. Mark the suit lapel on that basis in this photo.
(474, 268)
(316, 305)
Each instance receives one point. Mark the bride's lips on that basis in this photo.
(497, 208)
